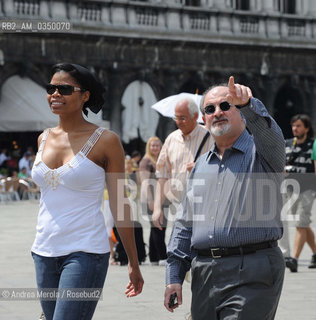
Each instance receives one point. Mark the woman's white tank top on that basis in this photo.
(70, 217)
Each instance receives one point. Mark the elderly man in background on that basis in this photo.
(181, 148)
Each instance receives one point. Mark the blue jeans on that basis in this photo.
(76, 270)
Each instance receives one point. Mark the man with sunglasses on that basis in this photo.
(229, 220)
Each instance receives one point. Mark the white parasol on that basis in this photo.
(167, 105)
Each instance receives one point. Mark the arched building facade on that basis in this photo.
(171, 46)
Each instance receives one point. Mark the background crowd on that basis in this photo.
(15, 175)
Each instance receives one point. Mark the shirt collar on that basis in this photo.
(241, 144)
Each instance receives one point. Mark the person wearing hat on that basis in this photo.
(74, 162)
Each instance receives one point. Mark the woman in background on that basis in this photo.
(147, 168)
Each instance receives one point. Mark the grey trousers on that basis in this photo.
(244, 287)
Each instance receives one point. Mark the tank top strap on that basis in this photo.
(92, 141)
(44, 138)
(38, 158)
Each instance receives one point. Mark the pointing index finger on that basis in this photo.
(231, 83)
(231, 90)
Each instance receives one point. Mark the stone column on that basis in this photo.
(268, 6)
(167, 125)
(311, 98)
(269, 93)
(310, 7)
(114, 96)
(8, 8)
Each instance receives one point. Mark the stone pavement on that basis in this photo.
(17, 230)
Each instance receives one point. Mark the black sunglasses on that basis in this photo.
(210, 109)
(63, 89)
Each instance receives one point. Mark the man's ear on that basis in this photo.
(196, 115)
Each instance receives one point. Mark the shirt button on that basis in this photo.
(212, 218)
(222, 166)
(215, 200)
(211, 237)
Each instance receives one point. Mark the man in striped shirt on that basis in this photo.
(229, 221)
(176, 158)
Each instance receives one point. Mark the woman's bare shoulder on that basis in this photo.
(40, 137)
(112, 152)
(110, 143)
(110, 138)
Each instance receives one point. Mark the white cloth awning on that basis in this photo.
(139, 120)
(23, 107)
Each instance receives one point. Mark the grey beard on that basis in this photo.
(221, 130)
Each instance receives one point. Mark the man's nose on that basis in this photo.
(218, 111)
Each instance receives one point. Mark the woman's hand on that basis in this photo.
(135, 285)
